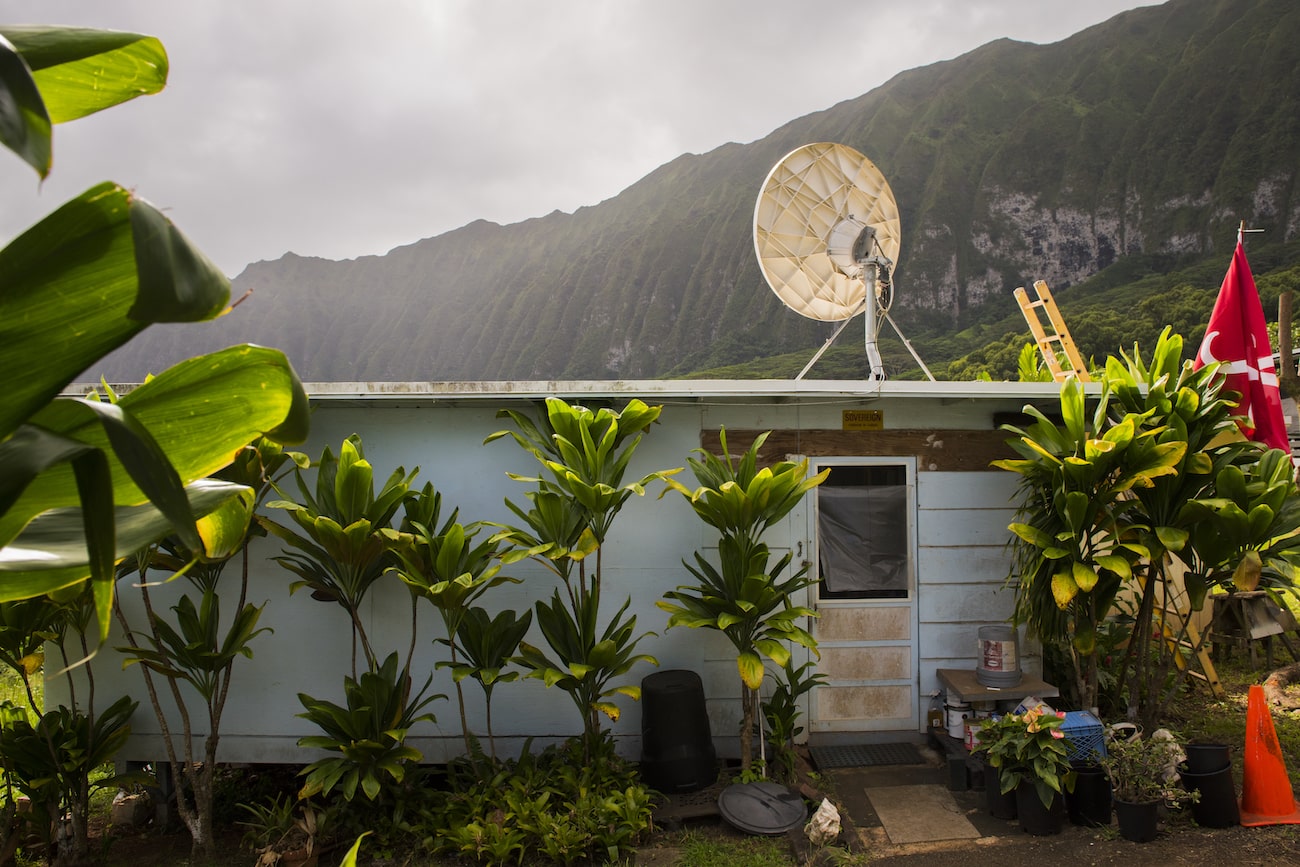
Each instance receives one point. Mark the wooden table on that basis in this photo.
(961, 683)
(964, 685)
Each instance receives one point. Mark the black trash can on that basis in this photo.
(677, 753)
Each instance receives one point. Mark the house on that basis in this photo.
(908, 536)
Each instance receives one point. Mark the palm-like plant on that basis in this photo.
(742, 597)
(584, 455)
(446, 567)
(488, 643)
(749, 604)
(586, 657)
(194, 648)
(342, 548)
(1076, 542)
(368, 732)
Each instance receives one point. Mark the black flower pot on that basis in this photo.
(1207, 758)
(1217, 806)
(1089, 804)
(1035, 818)
(999, 806)
(1137, 822)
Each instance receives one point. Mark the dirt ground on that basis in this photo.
(1180, 842)
(1002, 844)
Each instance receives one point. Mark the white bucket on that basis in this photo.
(957, 712)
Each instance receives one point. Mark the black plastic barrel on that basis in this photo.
(677, 753)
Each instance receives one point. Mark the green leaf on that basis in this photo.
(200, 412)
(177, 282)
(86, 251)
(50, 553)
(81, 71)
(24, 121)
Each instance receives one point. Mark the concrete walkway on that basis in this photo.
(898, 805)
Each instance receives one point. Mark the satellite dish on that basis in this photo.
(826, 232)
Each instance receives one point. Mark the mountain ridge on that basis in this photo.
(1154, 131)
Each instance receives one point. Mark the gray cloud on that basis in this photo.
(343, 129)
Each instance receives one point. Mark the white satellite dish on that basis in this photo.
(826, 232)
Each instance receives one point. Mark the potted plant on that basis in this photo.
(1030, 756)
(1143, 774)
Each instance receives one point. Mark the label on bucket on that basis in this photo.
(998, 655)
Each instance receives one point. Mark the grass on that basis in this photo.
(1199, 716)
(712, 850)
(11, 689)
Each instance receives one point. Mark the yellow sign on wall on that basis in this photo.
(863, 419)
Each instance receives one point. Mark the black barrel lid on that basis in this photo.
(762, 808)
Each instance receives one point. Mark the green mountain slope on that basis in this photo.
(1152, 134)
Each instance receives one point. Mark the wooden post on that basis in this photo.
(1288, 380)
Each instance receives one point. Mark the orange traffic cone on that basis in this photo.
(1266, 796)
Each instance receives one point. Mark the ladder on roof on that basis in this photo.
(1053, 343)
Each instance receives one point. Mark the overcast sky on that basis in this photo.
(338, 128)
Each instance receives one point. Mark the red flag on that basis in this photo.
(1237, 336)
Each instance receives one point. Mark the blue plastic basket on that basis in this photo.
(1085, 736)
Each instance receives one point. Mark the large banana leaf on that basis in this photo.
(55, 74)
(199, 413)
(84, 281)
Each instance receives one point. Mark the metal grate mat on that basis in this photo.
(865, 755)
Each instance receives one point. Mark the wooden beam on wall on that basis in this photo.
(935, 450)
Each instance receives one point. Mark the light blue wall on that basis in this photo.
(310, 649)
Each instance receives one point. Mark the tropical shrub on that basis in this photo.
(445, 566)
(1154, 483)
(743, 597)
(342, 546)
(584, 455)
(781, 713)
(569, 804)
(51, 763)
(192, 647)
(368, 732)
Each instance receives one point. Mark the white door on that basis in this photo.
(863, 539)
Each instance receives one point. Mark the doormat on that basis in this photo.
(920, 814)
(865, 755)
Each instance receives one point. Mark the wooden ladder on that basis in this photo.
(1175, 624)
(1058, 333)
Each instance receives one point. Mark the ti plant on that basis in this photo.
(488, 644)
(446, 566)
(584, 455)
(368, 733)
(51, 763)
(194, 647)
(341, 547)
(781, 712)
(742, 597)
(49, 757)
(1074, 544)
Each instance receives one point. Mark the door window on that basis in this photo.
(863, 533)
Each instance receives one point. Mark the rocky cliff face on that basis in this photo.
(1157, 131)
